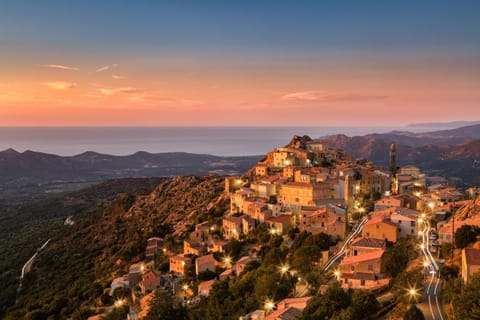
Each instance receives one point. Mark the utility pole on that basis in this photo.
(453, 234)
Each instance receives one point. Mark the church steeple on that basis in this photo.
(393, 168)
(393, 159)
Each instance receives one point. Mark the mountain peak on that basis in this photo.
(10, 151)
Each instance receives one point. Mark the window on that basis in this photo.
(353, 268)
(399, 221)
(412, 223)
(362, 282)
(370, 267)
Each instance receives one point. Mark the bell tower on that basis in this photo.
(393, 168)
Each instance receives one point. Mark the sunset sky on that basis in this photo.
(274, 63)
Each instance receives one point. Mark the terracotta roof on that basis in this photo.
(379, 220)
(285, 314)
(368, 242)
(206, 284)
(236, 220)
(281, 218)
(244, 260)
(150, 277)
(374, 255)
(472, 256)
(294, 300)
(259, 205)
(227, 272)
(205, 259)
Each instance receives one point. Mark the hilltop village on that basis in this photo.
(305, 221)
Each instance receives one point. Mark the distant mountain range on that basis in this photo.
(453, 154)
(35, 174)
(443, 125)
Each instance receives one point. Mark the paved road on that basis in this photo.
(347, 242)
(431, 305)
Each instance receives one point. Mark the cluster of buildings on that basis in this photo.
(143, 277)
(286, 309)
(306, 184)
(314, 188)
(394, 219)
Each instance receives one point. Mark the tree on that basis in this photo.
(413, 313)
(164, 307)
(465, 235)
(395, 258)
(327, 305)
(363, 303)
(466, 301)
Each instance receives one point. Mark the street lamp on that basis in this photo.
(269, 305)
(337, 274)
(119, 303)
(284, 269)
(227, 261)
(426, 264)
(412, 294)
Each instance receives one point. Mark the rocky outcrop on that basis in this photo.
(468, 211)
(298, 142)
(175, 201)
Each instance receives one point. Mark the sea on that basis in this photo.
(221, 141)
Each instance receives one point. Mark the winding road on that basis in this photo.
(431, 305)
(28, 265)
(347, 242)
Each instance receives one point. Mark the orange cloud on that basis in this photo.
(117, 77)
(101, 69)
(314, 96)
(122, 90)
(60, 85)
(60, 66)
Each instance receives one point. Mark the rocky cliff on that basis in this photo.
(105, 239)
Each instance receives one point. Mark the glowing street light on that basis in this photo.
(185, 287)
(119, 303)
(362, 210)
(422, 246)
(423, 215)
(227, 261)
(412, 293)
(269, 305)
(420, 232)
(420, 220)
(431, 205)
(273, 231)
(337, 274)
(284, 269)
(426, 264)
